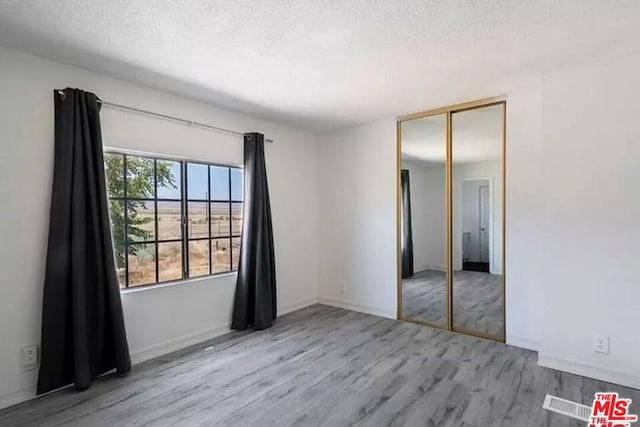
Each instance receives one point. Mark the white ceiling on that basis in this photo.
(321, 65)
(476, 136)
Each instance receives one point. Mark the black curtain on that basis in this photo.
(83, 333)
(407, 233)
(255, 299)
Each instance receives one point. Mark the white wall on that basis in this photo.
(573, 168)
(523, 246)
(357, 191)
(428, 211)
(157, 319)
(591, 206)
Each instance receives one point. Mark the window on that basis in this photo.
(172, 220)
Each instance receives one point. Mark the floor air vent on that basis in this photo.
(567, 407)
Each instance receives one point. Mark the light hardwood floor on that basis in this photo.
(478, 302)
(325, 366)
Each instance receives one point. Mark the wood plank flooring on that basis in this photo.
(478, 301)
(324, 366)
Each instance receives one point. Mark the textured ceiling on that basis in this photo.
(476, 136)
(321, 65)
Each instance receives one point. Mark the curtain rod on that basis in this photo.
(168, 117)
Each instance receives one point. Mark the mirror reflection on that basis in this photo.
(477, 207)
(423, 220)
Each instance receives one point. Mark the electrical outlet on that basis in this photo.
(30, 357)
(601, 344)
(343, 288)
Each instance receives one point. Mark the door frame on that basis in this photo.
(449, 110)
(491, 213)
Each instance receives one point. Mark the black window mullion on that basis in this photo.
(126, 221)
(169, 241)
(142, 199)
(155, 216)
(142, 242)
(185, 219)
(209, 217)
(230, 225)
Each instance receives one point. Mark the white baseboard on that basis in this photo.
(17, 397)
(166, 347)
(520, 342)
(297, 306)
(27, 393)
(156, 350)
(170, 346)
(137, 356)
(362, 308)
(589, 370)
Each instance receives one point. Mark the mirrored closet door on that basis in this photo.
(423, 215)
(477, 207)
(451, 218)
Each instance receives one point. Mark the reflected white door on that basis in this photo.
(484, 223)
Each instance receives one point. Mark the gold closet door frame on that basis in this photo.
(449, 111)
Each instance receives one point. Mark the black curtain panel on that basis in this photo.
(255, 299)
(407, 232)
(83, 333)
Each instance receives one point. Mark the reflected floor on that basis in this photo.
(478, 300)
(424, 297)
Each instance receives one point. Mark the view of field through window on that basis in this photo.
(173, 220)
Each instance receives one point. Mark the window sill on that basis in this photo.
(176, 283)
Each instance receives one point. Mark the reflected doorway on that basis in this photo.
(476, 225)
